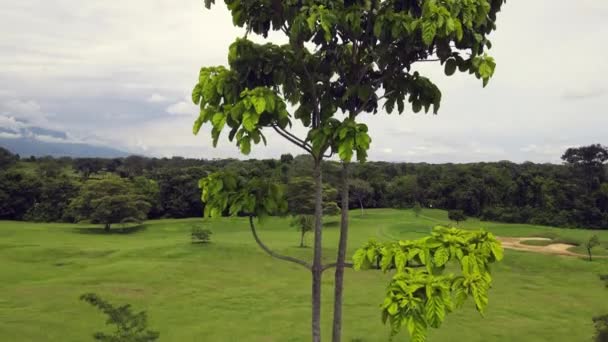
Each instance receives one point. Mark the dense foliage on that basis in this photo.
(111, 200)
(567, 195)
(424, 289)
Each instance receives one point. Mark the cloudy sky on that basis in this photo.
(119, 73)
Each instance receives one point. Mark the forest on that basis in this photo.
(572, 194)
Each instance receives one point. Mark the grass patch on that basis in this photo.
(230, 290)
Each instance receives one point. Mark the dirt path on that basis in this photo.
(554, 248)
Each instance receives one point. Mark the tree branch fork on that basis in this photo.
(288, 258)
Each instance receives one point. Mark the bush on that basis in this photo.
(200, 235)
(130, 327)
(457, 215)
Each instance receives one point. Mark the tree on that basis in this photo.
(601, 328)
(350, 56)
(304, 223)
(54, 196)
(200, 234)
(301, 205)
(178, 191)
(420, 293)
(601, 322)
(592, 243)
(6, 158)
(457, 215)
(590, 159)
(417, 209)
(359, 190)
(108, 201)
(403, 191)
(19, 191)
(130, 327)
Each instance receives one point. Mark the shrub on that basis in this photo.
(130, 327)
(456, 215)
(200, 234)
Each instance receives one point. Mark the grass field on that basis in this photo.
(230, 290)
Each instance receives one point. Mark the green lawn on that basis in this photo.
(230, 290)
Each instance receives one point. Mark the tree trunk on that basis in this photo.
(361, 205)
(302, 238)
(106, 228)
(339, 276)
(317, 267)
(589, 252)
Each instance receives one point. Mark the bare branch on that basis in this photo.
(293, 139)
(273, 253)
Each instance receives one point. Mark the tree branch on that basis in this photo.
(293, 139)
(273, 253)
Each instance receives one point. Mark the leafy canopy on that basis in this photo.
(110, 200)
(352, 56)
(228, 192)
(423, 290)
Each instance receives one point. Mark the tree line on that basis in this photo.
(572, 194)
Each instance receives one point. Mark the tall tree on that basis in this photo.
(108, 201)
(350, 56)
(590, 159)
(359, 191)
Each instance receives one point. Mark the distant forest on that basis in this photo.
(573, 194)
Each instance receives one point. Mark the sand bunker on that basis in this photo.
(554, 248)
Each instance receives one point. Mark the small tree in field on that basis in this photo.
(417, 209)
(108, 201)
(200, 234)
(457, 215)
(301, 205)
(353, 57)
(304, 223)
(590, 244)
(130, 327)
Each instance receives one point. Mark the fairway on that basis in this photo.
(230, 290)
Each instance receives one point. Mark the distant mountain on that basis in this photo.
(27, 146)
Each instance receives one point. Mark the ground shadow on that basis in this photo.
(114, 230)
(330, 224)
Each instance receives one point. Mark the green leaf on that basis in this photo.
(245, 145)
(259, 103)
(250, 120)
(441, 256)
(197, 125)
(196, 94)
(393, 308)
(428, 32)
(450, 67)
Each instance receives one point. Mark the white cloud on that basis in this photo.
(8, 135)
(156, 98)
(182, 108)
(27, 107)
(9, 122)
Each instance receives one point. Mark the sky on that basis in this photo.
(119, 74)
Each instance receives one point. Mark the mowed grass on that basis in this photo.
(230, 290)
